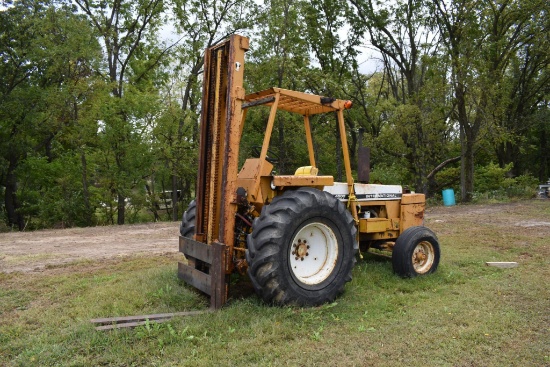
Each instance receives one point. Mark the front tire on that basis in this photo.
(416, 252)
(302, 248)
(187, 229)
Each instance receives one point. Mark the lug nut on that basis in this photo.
(302, 259)
(293, 252)
(308, 247)
(307, 253)
(296, 258)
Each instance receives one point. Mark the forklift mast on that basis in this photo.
(220, 133)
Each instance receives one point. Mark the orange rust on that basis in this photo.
(411, 215)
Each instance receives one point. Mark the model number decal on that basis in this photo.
(369, 196)
(379, 196)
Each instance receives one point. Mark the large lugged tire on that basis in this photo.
(416, 252)
(302, 248)
(187, 226)
(187, 229)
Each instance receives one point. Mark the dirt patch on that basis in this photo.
(502, 227)
(39, 250)
(467, 210)
(532, 223)
(510, 215)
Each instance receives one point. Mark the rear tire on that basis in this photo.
(302, 248)
(187, 226)
(416, 252)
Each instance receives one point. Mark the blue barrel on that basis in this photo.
(448, 197)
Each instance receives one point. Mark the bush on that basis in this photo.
(51, 192)
(492, 183)
(492, 177)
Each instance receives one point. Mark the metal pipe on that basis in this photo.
(309, 141)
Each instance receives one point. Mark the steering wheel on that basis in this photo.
(271, 157)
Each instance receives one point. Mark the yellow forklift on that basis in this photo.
(296, 236)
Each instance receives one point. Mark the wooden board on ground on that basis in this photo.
(502, 264)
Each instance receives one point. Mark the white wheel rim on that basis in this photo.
(423, 257)
(313, 253)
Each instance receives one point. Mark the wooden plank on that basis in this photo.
(124, 319)
(195, 277)
(196, 249)
(502, 264)
(218, 285)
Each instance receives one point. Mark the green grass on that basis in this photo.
(466, 314)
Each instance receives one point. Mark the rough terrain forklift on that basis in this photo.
(296, 236)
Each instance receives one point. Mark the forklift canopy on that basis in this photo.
(296, 102)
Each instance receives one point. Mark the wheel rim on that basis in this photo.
(423, 257)
(313, 253)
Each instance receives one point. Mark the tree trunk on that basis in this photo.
(10, 197)
(467, 169)
(466, 144)
(85, 192)
(154, 205)
(508, 152)
(517, 168)
(174, 198)
(544, 151)
(121, 209)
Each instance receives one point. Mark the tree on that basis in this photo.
(482, 38)
(337, 58)
(126, 28)
(278, 59)
(517, 31)
(200, 24)
(17, 40)
(402, 32)
(46, 53)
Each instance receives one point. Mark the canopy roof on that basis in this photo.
(292, 101)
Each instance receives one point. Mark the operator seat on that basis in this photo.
(306, 171)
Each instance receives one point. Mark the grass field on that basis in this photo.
(466, 314)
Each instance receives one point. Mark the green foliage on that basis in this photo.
(50, 55)
(493, 177)
(393, 174)
(99, 115)
(449, 178)
(493, 183)
(51, 192)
